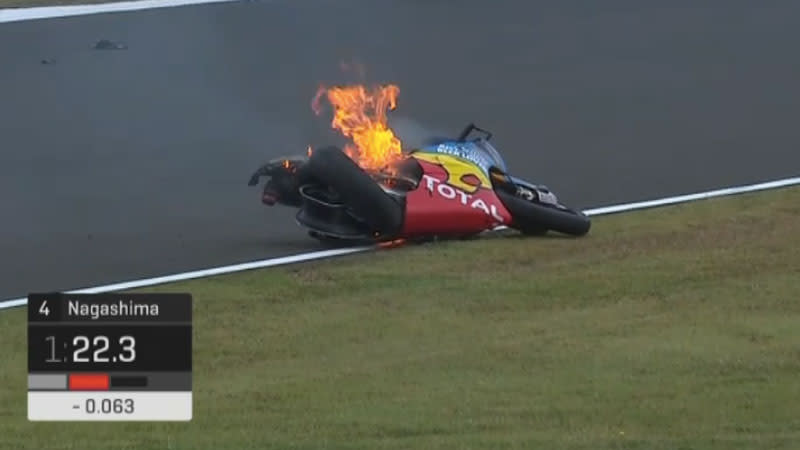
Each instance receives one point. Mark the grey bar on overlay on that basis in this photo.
(56, 381)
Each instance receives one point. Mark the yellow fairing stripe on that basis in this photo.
(456, 168)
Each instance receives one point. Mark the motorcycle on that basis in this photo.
(448, 188)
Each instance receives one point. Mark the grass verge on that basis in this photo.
(664, 329)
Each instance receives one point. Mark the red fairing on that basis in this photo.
(437, 207)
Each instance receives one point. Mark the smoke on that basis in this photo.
(414, 134)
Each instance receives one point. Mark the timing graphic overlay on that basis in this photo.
(109, 357)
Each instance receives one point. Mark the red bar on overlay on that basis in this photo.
(88, 382)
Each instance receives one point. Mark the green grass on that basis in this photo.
(676, 328)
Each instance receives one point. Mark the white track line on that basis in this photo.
(735, 190)
(202, 273)
(303, 257)
(50, 12)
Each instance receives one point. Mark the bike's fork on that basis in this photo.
(526, 192)
(523, 190)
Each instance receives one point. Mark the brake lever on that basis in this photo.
(261, 172)
(274, 167)
(264, 171)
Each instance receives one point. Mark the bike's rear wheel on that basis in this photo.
(357, 190)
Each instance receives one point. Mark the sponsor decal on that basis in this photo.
(465, 152)
(449, 192)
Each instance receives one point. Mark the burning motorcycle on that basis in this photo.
(373, 191)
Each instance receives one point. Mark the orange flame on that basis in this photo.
(360, 115)
(392, 243)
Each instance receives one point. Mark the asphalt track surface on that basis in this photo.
(118, 165)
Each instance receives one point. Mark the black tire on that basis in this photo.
(357, 190)
(534, 218)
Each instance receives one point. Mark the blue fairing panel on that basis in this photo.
(480, 152)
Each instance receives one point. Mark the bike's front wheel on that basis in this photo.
(536, 218)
